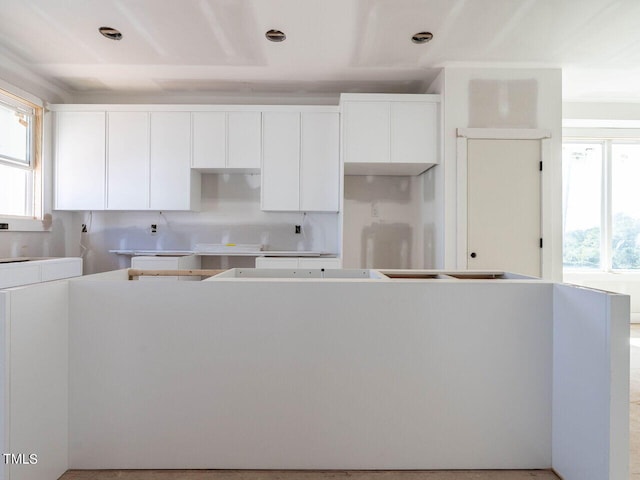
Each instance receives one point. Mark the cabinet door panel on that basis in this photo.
(276, 262)
(367, 137)
(128, 160)
(414, 137)
(170, 161)
(281, 161)
(319, 263)
(80, 160)
(320, 162)
(244, 137)
(209, 139)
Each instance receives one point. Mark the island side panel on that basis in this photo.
(38, 405)
(310, 375)
(590, 384)
(5, 312)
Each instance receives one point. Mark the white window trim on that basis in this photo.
(606, 136)
(24, 223)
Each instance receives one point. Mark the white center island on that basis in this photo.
(311, 369)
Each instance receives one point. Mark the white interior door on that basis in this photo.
(503, 205)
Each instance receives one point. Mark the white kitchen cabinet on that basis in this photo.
(276, 262)
(367, 126)
(80, 161)
(244, 140)
(127, 160)
(298, 262)
(390, 134)
(209, 140)
(320, 162)
(281, 161)
(414, 132)
(172, 185)
(301, 161)
(15, 274)
(327, 263)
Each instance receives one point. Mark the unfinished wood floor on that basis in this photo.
(383, 475)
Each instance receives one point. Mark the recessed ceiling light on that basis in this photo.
(110, 33)
(422, 37)
(275, 36)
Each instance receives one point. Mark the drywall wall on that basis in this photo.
(503, 98)
(597, 112)
(383, 222)
(230, 213)
(433, 189)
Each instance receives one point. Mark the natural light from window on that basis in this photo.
(19, 123)
(601, 205)
(582, 185)
(625, 206)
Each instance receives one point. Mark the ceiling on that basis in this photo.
(332, 46)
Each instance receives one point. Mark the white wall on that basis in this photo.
(230, 213)
(503, 98)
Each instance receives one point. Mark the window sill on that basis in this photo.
(22, 224)
(602, 276)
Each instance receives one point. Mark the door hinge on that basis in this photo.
(541, 165)
(541, 243)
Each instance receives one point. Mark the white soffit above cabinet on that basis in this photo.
(214, 47)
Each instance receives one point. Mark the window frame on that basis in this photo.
(607, 137)
(34, 196)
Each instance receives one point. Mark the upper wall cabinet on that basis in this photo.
(390, 134)
(124, 160)
(80, 161)
(227, 141)
(127, 160)
(172, 184)
(301, 161)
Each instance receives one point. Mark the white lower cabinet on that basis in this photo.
(35, 271)
(298, 262)
(150, 262)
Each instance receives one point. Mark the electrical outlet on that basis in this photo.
(298, 229)
(154, 228)
(374, 210)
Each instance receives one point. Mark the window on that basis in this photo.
(601, 204)
(20, 137)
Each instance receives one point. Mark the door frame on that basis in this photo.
(465, 134)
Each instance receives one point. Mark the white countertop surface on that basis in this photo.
(260, 253)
